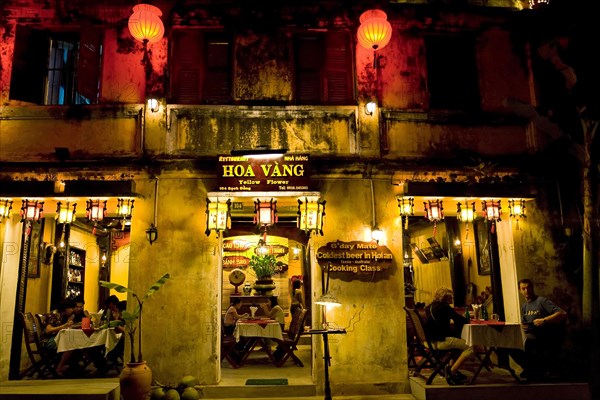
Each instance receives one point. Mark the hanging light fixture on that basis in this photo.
(64, 214)
(466, 214)
(434, 212)
(5, 207)
(310, 215)
(146, 26)
(374, 32)
(95, 210)
(407, 208)
(218, 216)
(32, 210)
(516, 209)
(492, 211)
(265, 213)
(124, 210)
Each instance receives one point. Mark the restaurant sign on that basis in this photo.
(354, 257)
(238, 251)
(289, 172)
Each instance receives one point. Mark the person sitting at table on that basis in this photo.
(543, 322)
(232, 316)
(274, 311)
(79, 312)
(444, 335)
(57, 320)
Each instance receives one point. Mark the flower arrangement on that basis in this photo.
(263, 266)
(130, 318)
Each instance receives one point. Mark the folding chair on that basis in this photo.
(42, 362)
(285, 348)
(432, 357)
(228, 349)
(417, 353)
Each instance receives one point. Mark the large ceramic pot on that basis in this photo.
(136, 381)
(264, 287)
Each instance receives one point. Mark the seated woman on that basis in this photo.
(59, 319)
(274, 311)
(444, 335)
(232, 316)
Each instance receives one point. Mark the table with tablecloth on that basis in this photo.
(251, 333)
(75, 339)
(493, 335)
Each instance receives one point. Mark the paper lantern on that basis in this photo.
(145, 24)
(374, 31)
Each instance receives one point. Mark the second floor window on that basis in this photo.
(452, 76)
(200, 67)
(323, 68)
(56, 68)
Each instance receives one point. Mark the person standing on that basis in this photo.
(543, 322)
(443, 326)
(297, 297)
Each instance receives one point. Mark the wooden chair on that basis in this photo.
(285, 348)
(228, 349)
(42, 362)
(432, 357)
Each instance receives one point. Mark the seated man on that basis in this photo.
(443, 335)
(57, 320)
(543, 322)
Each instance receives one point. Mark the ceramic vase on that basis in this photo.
(135, 381)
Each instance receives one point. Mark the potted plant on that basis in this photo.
(136, 378)
(264, 268)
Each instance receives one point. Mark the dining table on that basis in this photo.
(255, 332)
(76, 339)
(492, 335)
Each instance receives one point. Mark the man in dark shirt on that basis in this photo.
(543, 322)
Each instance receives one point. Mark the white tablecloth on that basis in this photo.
(494, 335)
(73, 339)
(249, 328)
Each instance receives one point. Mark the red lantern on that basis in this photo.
(374, 31)
(145, 24)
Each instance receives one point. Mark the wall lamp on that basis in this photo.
(260, 152)
(152, 234)
(218, 217)
(153, 105)
(370, 108)
(311, 213)
(5, 207)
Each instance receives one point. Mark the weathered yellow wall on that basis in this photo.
(85, 241)
(119, 269)
(38, 289)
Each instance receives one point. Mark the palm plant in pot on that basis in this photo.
(137, 377)
(264, 268)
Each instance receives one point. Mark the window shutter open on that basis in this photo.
(88, 66)
(186, 66)
(338, 69)
(29, 65)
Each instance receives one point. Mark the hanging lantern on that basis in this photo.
(492, 211)
(407, 207)
(32, 210)
(265, 213)
(145, 24)
(537, 3)
(5, 207)
(95, 210)
(434, 212)
(124, 210)
(64, 214)
(310, 215)
(466, 214)
(218, 218)
(374, 31)
(516, 209)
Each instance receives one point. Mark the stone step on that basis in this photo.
(63, 389)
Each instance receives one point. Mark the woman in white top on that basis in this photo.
(274, 311)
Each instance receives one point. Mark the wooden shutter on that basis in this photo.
(30, 60)
(88, 66)
(339, 82)
(309, 50)
(217, 73)
(186, 66)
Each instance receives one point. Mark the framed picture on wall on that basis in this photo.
(484, 263)
(34, 259)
